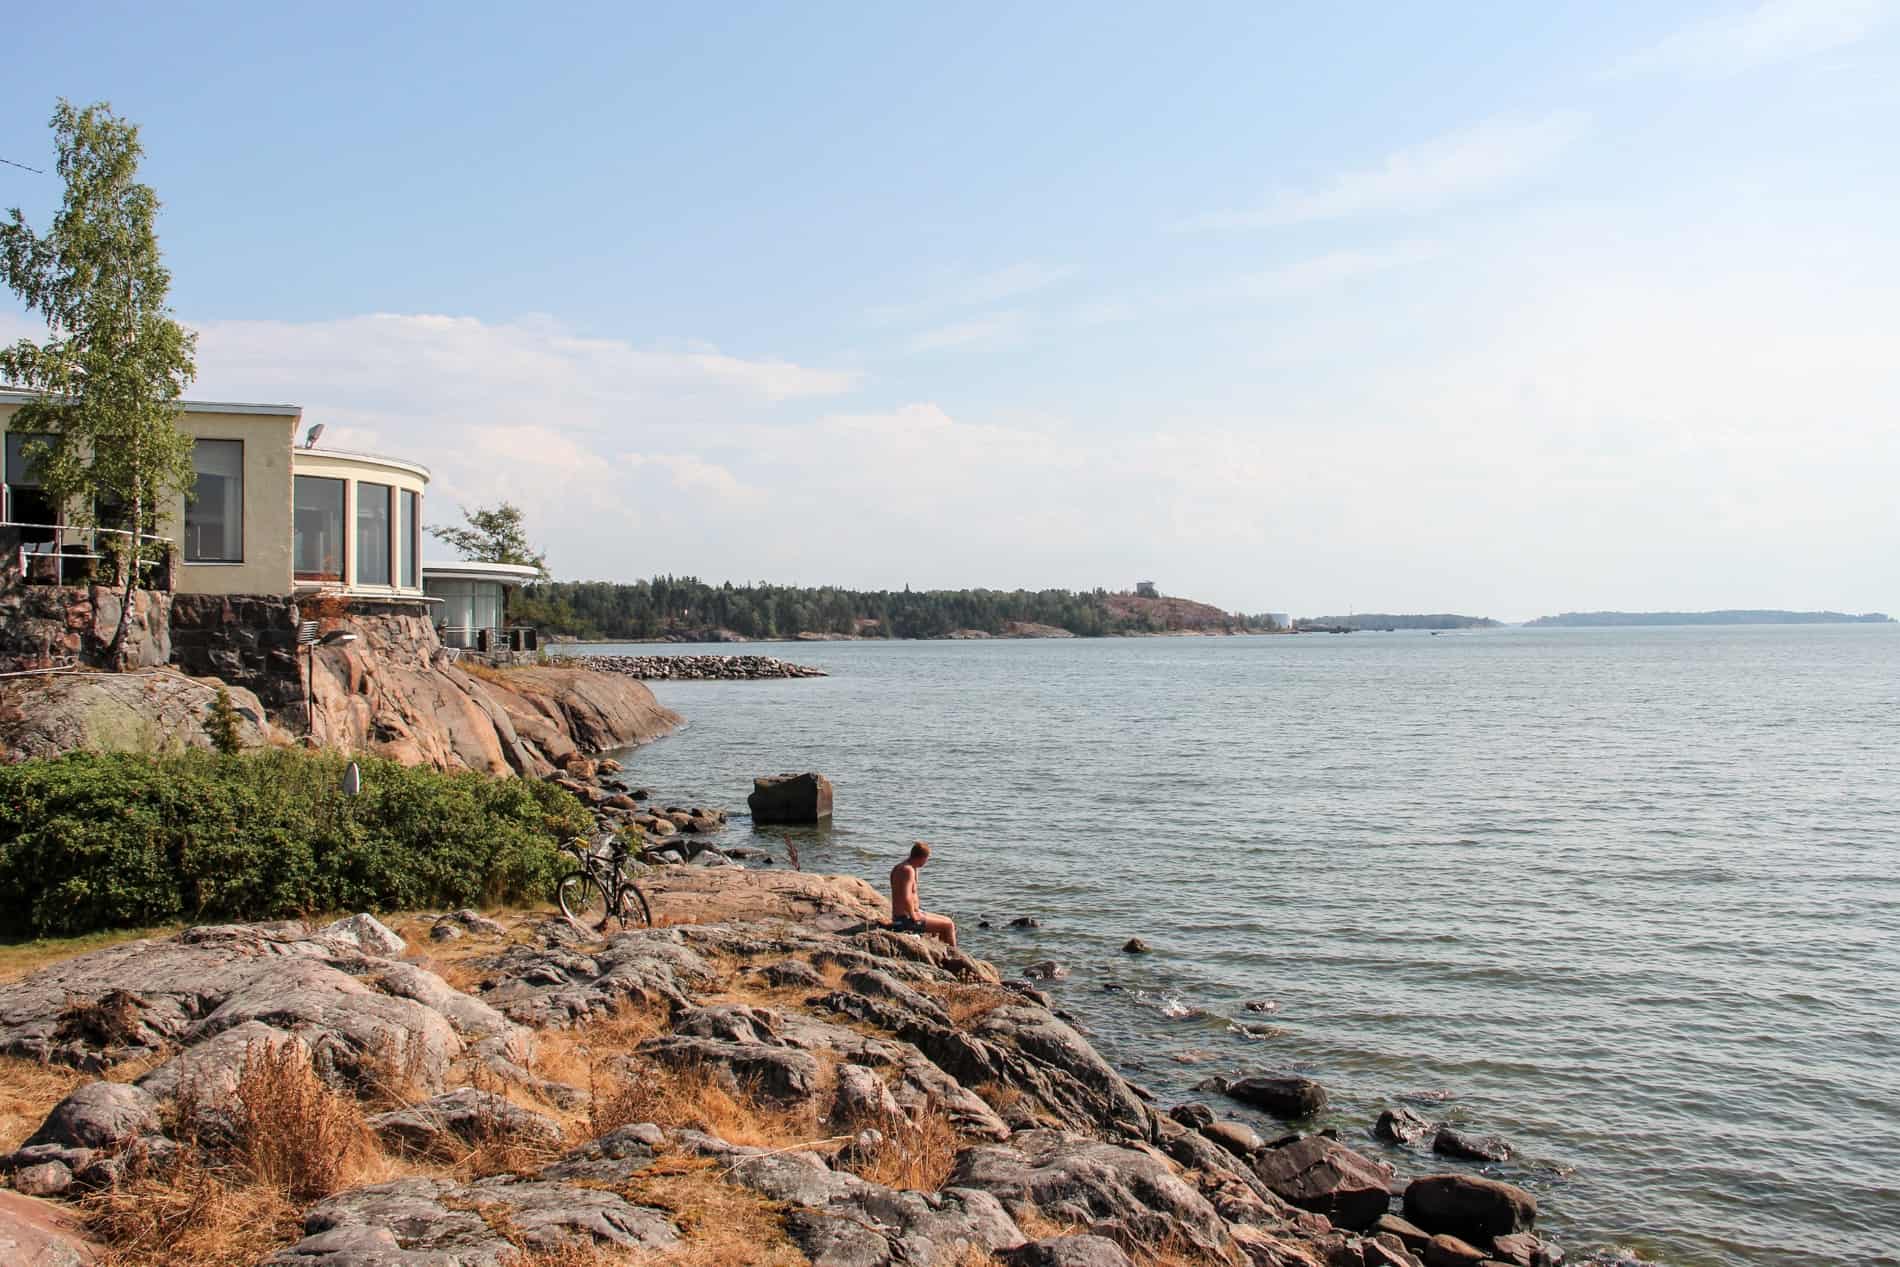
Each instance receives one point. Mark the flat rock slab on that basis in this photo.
(35, 1233)
(436, 1223)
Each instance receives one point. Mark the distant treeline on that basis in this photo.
(1388, 620)
(1737, 617)
(687, 607)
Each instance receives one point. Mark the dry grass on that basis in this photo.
(193, 1213)
(721, 1224)
(293, 1133)
(966, 1003)
(916, 1155)
(697, 1099)
(28, 1092)
(395, 1071)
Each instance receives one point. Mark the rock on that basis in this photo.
(99, 1115)
(1451, 1142)
(861, 1096)
(1285, 1096)
(1025, 921)
(660, 827)
(1192, 1115)
(712, 858)
(781, 1074)
(790, 798)
(1236, 1137)
(1401, 1126)
(1136, 946)
(1260, 1005)
(477, 923)
(1327, 1178)
(1521, 1249)
(1131, 1195)
(46, 1179)
(446, 932)
(468, 1115)
(412, 1222)
(211, 1069)
(367, 933)
(36, 1233)
(1046, 970)
(1067, 1251)
(612, 1159)
(1449, 1251)
(607, 765)
(1409, 1235)
(1387, 1251)
(621, 801)
(792, 974)
(1469, 1207)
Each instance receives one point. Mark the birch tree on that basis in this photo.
(114, 361)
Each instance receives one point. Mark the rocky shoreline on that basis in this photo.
(840, 1094)
(698, 668)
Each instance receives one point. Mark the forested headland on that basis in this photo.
(1737, 616)
(1389, 620)
(689, 609)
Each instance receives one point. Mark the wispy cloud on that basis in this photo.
(1772, 31)
(1470, 163)
(996, 325)
(978, 290)
(1328, 271)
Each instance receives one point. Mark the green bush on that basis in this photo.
(91, 841)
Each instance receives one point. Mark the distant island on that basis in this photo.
(1389, 620)
(1733, 617)
(687, 609)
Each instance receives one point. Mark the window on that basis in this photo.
(372, 534)
(25, 502)
(411, 537)
(214, 518)
(317, 519)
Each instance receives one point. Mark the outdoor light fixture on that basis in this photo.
(310, 436)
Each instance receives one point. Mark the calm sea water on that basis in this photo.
(1630, 898)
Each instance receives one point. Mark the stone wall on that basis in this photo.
(73, 624)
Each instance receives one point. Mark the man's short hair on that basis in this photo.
(919, 851)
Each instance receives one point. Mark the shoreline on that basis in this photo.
(798, 1062)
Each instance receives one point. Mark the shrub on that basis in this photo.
(221, 724)
(90, 840)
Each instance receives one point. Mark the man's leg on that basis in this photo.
(942, 927)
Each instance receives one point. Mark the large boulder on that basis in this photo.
(1469, 1207)
(99, 1115)
(1326, 1177)
(790, 798)
(1283, 1095)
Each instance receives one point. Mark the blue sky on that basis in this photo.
(1493, 308)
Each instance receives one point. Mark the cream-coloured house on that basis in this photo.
(267, 517)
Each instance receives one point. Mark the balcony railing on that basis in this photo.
(62, 554)
(486, 639)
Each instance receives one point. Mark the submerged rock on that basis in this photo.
(1401, 1126)
(1451, 1142)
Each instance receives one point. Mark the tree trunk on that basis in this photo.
(115, 653)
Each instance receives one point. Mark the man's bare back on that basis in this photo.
(906, 915)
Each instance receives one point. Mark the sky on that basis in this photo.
(1502, 309)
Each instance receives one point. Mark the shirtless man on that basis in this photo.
(906, 915)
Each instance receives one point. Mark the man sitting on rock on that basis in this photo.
(906, 916)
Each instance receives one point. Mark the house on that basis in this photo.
(267, 517)
(1146, 589)
(472, 597)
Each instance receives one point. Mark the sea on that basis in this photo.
(1628, 898)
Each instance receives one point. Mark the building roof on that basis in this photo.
(472, 570)
(15, 396)
(299, 452)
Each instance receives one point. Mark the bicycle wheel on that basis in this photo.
(634, 911)
(582, 899)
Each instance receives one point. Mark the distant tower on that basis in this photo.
(1146, 589)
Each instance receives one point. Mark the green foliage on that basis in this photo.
(114, 361)
(493, 535)
(221, 724)
(91, 841)
(686, 605)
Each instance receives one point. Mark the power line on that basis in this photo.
(22, 166)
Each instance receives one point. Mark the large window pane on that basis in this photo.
(25, 503)
(214, 518)
(411, 537)
(317, 510)
(372, 534)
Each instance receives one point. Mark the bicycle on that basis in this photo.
(601, 890)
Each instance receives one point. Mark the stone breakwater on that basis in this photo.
(939, 1116)
(699, 668)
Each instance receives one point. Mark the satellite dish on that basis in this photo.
(310, 437)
